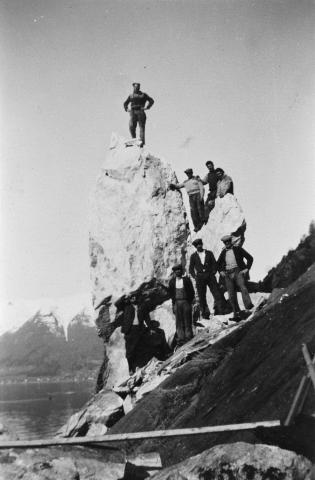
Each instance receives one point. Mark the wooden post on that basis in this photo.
(309, 363)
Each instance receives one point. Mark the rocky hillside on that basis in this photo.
(250, 375)
(292, 265)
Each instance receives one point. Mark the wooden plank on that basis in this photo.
(299, 397)
(118, 437)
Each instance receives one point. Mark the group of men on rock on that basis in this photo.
(219, 185)
(233, 263)
(233, 266)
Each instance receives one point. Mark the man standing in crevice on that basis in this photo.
(139, 102)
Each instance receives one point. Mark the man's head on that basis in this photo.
(198, 244)
(136, 87)
(227, 240)
(210, 166)
(178, 270)
(189, 172)
(219, 172)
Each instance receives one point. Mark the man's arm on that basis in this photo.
(204, 180)
(150, 102)
(213, 262)
(176, 186)
(192, 266)
(249, 258)
(126, 103)
(220, 264)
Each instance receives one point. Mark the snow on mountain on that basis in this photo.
(14, 313)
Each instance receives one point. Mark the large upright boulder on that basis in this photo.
(227, 218)
(138, 227)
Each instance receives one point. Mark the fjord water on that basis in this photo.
(38, 410)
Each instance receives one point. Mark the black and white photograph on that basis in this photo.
(157, 240)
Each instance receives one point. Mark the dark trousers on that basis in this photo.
(196, 210)
(132, 339)
(202, 282)
(183, 315)
(137, 117)
(233, 280)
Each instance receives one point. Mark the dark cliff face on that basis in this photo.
(292, 265)
(250, 375)
(40, 348)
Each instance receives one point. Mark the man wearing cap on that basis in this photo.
(194, 189)
(211, 179)
(224, 183)
(182, 294)
(139, 102)
(235, 271)
(203, 268)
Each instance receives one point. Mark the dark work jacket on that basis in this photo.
(138, 100)
(196, 268)
(240, 255)
(129, 316)
(188, 286)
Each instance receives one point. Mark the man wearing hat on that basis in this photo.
(182, 294)
(138, 101)
(224, 183)
(211, 179)
(194, 188)
(235, 271)
(203, 268)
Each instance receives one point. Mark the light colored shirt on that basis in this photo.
(230, 259)
(202, 256)
(192, 185)
(136, 319)
(179, 283)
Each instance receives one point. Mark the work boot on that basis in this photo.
(236, 317)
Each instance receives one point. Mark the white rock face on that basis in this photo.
(225, 219)
(138, 227)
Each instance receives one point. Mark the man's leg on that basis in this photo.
(201, 210)
(193, 200)
(142, 119)
(229, 282)
(133, 124)
(240, 281)
(179, 315)
(216, 293)
(201, 286)
(187, 311)
(131, 342)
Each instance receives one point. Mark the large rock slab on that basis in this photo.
(100, 413)
(227, 218)
(138, 227)
(240, 461)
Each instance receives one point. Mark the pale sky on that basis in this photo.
(233, 81)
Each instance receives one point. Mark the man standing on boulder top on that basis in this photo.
(193, 186)
(182, 294)
(235, 272)
(203, 268)
(138, 101)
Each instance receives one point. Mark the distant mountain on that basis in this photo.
(40, 348)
